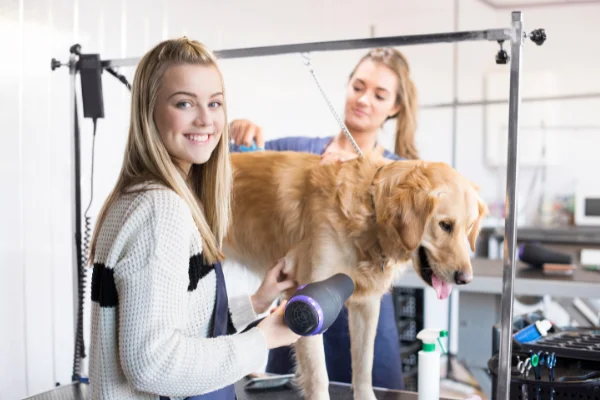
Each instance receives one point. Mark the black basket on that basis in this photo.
(574, 379)
(582, 344)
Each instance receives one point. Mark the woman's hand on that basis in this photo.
(271, 287)
(244, 132)
(275, 330)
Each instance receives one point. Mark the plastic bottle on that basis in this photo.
(533, 332)
(429, 364)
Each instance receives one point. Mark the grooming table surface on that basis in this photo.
(337, 392)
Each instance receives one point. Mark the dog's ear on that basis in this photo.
(416, 208)
(408, 206)
(483, 211)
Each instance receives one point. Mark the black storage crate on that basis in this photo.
(577, 370)
(583, 344)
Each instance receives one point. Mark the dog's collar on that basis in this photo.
(383, 258)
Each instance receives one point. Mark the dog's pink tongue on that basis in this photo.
(442, 288)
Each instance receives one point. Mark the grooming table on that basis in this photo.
(337, 392)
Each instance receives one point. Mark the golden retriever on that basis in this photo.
(366, 218)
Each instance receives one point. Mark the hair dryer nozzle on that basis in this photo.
(315, 306)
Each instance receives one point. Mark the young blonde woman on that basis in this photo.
(380, 88)
(162, 325)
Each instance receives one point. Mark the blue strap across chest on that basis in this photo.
(219, 328)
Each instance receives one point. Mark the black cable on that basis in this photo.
(86, 241)
(83, 248)
(119, 77)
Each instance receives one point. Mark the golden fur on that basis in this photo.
(350, 217)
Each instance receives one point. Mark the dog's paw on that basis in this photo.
(365, 393)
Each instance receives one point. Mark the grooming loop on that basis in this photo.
(308, 64)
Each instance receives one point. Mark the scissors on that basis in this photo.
(524, 367)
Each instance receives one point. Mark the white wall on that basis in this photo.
(36, 291)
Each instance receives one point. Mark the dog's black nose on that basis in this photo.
(460, 278)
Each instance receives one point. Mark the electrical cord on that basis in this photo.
(83, 241)
(79, 352)
(119, 77)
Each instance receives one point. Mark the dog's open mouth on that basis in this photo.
(442, 288)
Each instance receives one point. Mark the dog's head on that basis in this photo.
(430, 214)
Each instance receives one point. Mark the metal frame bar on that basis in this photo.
(573, 96)
(510, 226)
(516, 36)
(336, 45)
(537, 4)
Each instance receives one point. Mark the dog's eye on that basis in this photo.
(446, 226)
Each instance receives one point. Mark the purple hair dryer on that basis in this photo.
(315, 306)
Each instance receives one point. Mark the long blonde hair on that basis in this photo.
(207, 188)
(406, 118)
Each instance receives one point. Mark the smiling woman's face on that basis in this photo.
(189, 113)
(371, 96)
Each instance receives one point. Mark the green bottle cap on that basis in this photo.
(428, 347)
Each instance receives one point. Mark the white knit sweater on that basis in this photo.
(152, 304)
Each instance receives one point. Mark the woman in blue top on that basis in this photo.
(380, 88)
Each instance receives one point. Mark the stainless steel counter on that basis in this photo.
(528, 281)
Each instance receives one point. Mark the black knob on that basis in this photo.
(75, 49)
(55, 64)
(538, 36)
(502, 57)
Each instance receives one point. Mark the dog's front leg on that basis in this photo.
(363, 316)
(311, 370)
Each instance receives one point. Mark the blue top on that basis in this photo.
(387, 362)
(315, 145)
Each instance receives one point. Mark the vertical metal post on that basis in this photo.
(74, 182)
(78, 349)
(455, 86)
(451, 300)
(510, 227)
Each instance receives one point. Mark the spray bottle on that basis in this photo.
(429, 363)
